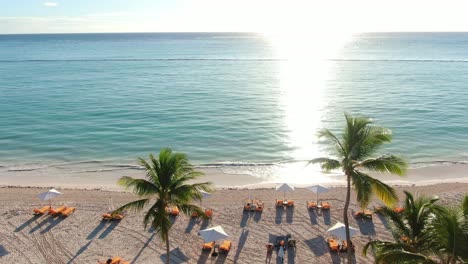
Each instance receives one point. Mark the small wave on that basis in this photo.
(140, 59)
(402, 60)
(26, 169)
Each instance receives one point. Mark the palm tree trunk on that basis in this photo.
(167, 251)
(345, 218)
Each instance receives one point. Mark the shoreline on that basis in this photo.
(84, 176)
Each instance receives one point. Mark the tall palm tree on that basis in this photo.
(166, 184)
(354, 151)
(411, 230)
(449, 233)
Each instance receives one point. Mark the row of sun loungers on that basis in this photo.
(281, 203)
(316, 205)
(60, 211)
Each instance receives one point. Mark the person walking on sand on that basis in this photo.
(269, 254)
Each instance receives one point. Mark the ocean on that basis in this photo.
(228, 100)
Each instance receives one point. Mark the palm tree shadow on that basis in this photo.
(192, 222)
(279, 215)
(52, 223)
(245, 218)
(366, 226)
(326, 217)
(318, 245)
(241, 243)
(313, 217)
(80, 251)
(96, 230)
(109, 229)
(289, 214)
(27, 223)
(143, 248)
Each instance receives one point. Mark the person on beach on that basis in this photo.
(269, 254)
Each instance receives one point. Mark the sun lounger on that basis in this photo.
(326, 206)
(57, 211)
(114, 260)
(248, 205)
(175, 211)
(344, 246)
(225, 246)
(290, 203)
(398, 210)
(259, 206)
(333, 245)
(208, 246)
(68, 211)
(42, 210)
(311, 205)
(279, 203)
(111, 216)
(363, 214)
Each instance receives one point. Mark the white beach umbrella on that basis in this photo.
(213, 234)
(339, 231)
(317, 189)
(284, 187)
(52, 193)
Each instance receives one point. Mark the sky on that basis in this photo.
(272, 16)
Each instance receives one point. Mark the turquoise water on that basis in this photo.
(221, 97)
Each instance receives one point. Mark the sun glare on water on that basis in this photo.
(305, 67)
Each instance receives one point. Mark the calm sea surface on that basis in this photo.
(225, 99)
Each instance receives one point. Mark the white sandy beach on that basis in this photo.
(83, 238)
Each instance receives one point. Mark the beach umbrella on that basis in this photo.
(284, 187)
(317, 189)
(52, 193)
(213, 234)
(339, 231)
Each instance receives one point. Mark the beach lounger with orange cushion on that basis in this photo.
(248, 205)
(68, 211)
(225, 246)
(312, 205)
(209, 213)
(259, 206)
(398, 210)
(110, 216)
(290, 203)
(279, 202)
(42, 210)
(57, 211)
(115, 260)
(365, 214)
(333, 245)
(208, 246)
(175, 211)
(326, 205)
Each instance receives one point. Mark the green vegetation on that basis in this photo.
(424, 233)
(354, 155)
(166, 185)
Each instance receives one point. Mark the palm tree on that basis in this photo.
(411, 230)
(166, 184)
(354, 151)
(449, 233)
